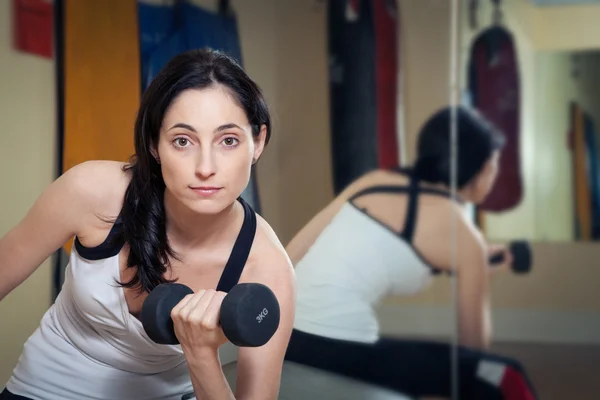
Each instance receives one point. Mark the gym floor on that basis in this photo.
(559, 372)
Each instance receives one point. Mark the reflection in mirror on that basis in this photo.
(531, 69)
(371, 301)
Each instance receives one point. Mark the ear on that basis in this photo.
(154, 153)
(259, 143)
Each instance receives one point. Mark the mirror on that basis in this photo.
(531, 67)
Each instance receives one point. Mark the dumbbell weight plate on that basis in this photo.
(250, 314)
(156, 311)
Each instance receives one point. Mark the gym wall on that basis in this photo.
(27, 166)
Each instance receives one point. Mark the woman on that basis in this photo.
(173, 214)
(388, 233)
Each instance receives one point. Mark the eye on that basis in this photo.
(230, 141)
(181, 142)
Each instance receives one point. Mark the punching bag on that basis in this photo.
(494, 87)
(363, 61)
(168, 30)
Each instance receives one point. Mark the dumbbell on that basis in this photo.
(521, 252)
(249, 313)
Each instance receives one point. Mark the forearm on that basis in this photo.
(476, 332)
(207, 375)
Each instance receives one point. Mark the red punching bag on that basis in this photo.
(494, 86)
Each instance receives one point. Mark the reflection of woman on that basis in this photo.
(388, 233)
(179, 216)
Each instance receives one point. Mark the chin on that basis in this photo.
(209, 206)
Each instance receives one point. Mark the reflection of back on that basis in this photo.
(166, 31)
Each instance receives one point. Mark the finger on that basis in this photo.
(186, 308)
(179, 306)
(213, 310)
(197, 308)
(508, 256)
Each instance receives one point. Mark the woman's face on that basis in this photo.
(206, 149)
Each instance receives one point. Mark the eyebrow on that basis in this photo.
(191, 128)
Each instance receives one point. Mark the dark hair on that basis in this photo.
(476, 140)
(143, 213)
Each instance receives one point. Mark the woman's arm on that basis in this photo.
(195, 320)
(259, 368)
(60, 213)
(196, 323)
(474, 319)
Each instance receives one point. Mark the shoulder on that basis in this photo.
(445, 228)
(369, 179)
(470, 241)
(268, 262)
(95, 177)
(97, 180)
(95, 190)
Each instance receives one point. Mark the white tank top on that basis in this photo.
(354, 263)
(88, 345)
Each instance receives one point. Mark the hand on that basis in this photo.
(506, 264)
(196, 321)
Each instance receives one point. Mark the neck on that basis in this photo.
(188, 229)
(462, 195)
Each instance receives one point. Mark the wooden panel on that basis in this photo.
(583, 199)
(101, 80)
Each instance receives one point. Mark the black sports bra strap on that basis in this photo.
(379, 189)
(395, 189)
(411, 210)
(413, 190)
(241, 249)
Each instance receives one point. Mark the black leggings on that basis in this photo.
(6, 395)
(414, 368)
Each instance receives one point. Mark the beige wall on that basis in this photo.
(425, 44)
(566, 28)
(27, 165)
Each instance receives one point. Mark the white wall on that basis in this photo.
(27, 165)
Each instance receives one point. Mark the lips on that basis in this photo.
(206, 188)
(205, 191)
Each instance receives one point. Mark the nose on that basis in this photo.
(205, 163)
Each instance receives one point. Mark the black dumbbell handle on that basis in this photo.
(497, 258)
